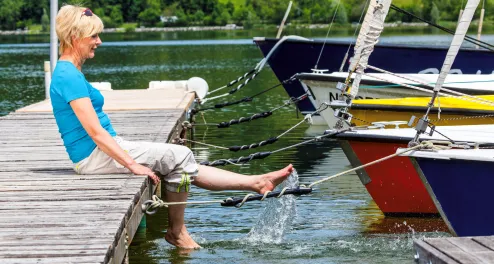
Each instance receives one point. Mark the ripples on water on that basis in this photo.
(337, 223)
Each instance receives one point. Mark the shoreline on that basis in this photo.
(138, 29)
(233, 27)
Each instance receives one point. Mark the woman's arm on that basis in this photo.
(84, 111)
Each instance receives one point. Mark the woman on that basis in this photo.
(94, 147)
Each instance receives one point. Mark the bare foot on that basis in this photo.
(270, 180)
(181, 240)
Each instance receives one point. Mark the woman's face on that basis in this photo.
(87, 46)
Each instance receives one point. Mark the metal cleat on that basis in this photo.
(343, 115)
(336, 104)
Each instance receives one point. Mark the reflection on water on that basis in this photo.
(337, 223)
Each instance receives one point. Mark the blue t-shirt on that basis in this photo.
(68, 84)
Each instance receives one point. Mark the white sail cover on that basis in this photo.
(368, 37)
(461, 31)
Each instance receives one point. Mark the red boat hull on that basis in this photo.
(394, 184)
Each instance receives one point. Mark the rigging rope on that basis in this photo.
(461, 96)
(327, 34)
(480, 43)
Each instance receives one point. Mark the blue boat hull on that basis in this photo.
(297, 56)
(462, 191)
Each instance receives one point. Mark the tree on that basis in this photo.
(199, 16)
(151, 15)
(434, 13)
(116, 15)
(341, 16)
(45, 21)
(223, 19)
(10, 11)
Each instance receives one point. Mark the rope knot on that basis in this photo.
(187, 125)
(150, 207)
(308, 118)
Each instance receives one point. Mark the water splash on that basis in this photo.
(277, 217)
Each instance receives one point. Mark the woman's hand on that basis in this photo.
(139, 169)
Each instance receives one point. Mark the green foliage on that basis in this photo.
(10, 11)
(21, 13)
(435, 16)
(341, 16)
(151, 15)
(129, 27)
(45, 21)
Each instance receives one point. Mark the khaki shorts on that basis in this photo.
(176, 163)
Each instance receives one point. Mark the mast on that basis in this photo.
(461, 31)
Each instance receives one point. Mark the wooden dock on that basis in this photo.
(455, 250)
(49, 214)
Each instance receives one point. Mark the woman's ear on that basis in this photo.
(74, 40)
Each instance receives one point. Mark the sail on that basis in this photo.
(368, 37)
(461, 31)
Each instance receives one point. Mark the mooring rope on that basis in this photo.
(262, 114)
(246, 99)
(422, 145)
(249, 76)
(307, 118)
(151, 206)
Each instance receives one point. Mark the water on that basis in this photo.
(337, 223)
(277, 218)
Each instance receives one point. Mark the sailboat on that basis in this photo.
(395, 185)
(459, 177)
(398, 185)
(299, 55)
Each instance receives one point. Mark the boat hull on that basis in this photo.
(297, 56)
(365, 115)
(462, 191)
(322, 93)
(393, 184)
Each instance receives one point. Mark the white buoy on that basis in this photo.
(198, 85)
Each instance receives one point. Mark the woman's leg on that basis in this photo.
(177, 234)
(215, 179)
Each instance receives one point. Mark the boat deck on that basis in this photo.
(455, 250)
(49, 214)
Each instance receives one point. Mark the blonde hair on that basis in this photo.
(71, 22)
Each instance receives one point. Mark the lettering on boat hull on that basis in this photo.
(335, 96)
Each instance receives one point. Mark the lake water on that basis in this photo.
(338, 223)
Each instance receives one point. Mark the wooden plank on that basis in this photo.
(426, 254)
(49, 214)
(54, 260)
(453, 251)
(486, 241)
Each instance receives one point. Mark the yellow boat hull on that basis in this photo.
(453, 111)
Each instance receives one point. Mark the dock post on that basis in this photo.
(47, 79)
(53, 35)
